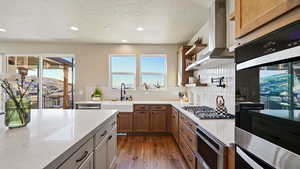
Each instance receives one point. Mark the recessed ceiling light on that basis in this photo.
(124, 41)
(2, 30)
(74, 28)
(139, 28)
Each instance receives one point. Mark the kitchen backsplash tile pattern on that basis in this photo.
(165, 94)
(207, 95)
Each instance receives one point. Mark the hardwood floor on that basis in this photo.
(149, 152)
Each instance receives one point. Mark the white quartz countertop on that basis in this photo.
(222, 129)
(50, 133)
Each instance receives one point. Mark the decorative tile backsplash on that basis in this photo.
(207, 95)
(164, 94)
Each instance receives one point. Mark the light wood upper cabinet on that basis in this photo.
(252, 14)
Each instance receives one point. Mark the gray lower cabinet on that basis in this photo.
(101, 156)
(88, 163)
(106, 149)
(99, 152)
(79, 157)
(112, 148)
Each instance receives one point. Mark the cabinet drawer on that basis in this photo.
(141, 107)
(112, 123)
(88, 163)
(187, 153)
(174, 113)
(189, 136)
(159, 107)
(187, 122)
(101, 134)
(105, 130)
(79, 156)
(174, 125)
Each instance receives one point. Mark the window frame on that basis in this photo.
(122, 73)
(165, 74)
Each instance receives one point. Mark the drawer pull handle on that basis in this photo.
(104, 133)
(189, 158)
(189, 138)
(82, 157)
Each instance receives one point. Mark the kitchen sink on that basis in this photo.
(121, 106)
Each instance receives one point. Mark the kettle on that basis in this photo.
(220, 105)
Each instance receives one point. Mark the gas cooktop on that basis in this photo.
(205, 112)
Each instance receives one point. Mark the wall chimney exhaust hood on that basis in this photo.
(216, 52)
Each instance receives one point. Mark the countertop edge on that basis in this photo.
(55, 163)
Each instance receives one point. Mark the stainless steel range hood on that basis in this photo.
(217, 53)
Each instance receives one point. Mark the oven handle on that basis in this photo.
(220, 151)
(246, 158)
(289, 53)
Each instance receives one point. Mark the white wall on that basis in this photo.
(92, 65)
(207, 95)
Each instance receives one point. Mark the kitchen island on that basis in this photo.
(57, 138)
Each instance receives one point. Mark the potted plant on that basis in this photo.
(97, 95)
(17, 106)
(157, 85)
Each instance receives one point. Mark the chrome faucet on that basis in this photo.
(123, 92)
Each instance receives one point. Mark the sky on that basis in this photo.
(52, 73)
(153, 64)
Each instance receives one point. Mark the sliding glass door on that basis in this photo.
(57, 82)
(53, 76)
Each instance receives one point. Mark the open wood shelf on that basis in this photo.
(195, 49)
(196, 85)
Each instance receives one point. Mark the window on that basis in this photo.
(153, 70)
(123, 70)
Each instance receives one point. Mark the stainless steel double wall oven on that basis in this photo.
(268, 101)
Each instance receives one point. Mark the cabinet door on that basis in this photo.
(125, 122)
(88, 163)
(101, 155)
(112, 148)
(251, 14)
(175, 125)
(141, 121)
(158, 121)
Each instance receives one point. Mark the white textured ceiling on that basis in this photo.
(102, 21)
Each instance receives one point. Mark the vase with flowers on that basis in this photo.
(17, 106)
